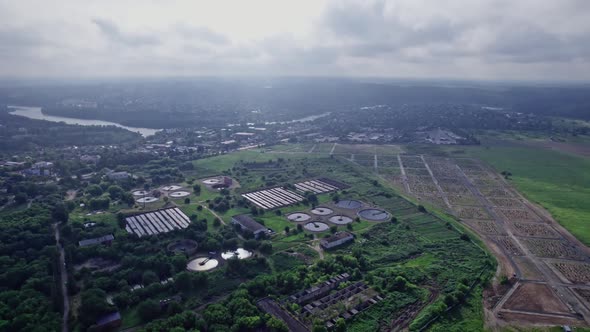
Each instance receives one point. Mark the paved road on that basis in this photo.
(64, 279)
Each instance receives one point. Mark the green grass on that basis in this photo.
(130, 318)
(557, 181)
(421, 261)
(466, 317)
(292, 147)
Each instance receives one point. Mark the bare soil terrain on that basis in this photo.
(546, 300)
(542, 261)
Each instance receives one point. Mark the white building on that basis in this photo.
(336, 240)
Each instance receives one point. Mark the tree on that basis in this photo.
(230, 244)
(333, 229)
(340, 325)
(197, 189)
(312, 198)
(148, 310)
(251, 244)
(183, 281)
(318, 326)
(127, 198)
(115, 192)
(248, 323)
(393, 219)
(94, 190)
(216, 314)
(149, 277)
(235, 266)
(60, 213)
(399, 283)
(99, 203)
(266, 247)
(179, 262)
(335, 198)
(287, 229)
(20, 198)
(276, 325)
(174, 308)
(93, 305)
(421, 208)
(187, 200)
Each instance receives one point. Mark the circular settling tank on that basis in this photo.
(179, 194)
(211, 181)
(140, 193)
(316, 226)
(148, 199)
(240, 253)
(182, 246)
(171, 188)
(202, 264)
(349, 204)
(298, 216)
(340, 220)
(322, 211)
(374, 214)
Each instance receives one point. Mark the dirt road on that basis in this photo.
(64, 279)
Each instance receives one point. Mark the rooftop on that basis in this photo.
(98, 240)
(336, 237)
(249, 223)
(108, 318)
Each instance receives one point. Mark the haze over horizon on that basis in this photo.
(421, 39)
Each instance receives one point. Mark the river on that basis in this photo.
(305, 119)
(35, 113)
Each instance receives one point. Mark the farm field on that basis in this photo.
(559, 182)
(476, 194)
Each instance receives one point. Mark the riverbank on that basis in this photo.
(36, 113)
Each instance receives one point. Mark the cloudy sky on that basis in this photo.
(465, 39)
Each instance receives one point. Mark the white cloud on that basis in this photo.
(487, 39)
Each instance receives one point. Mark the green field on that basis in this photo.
(557, 181)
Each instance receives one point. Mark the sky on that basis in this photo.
(545, 40)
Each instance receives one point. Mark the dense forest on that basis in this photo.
(19, 133)
(212, 102)
(29, 293)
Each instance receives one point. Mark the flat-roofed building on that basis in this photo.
(249, 224)
(335, 240)
(109, 322)
(99, 240)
